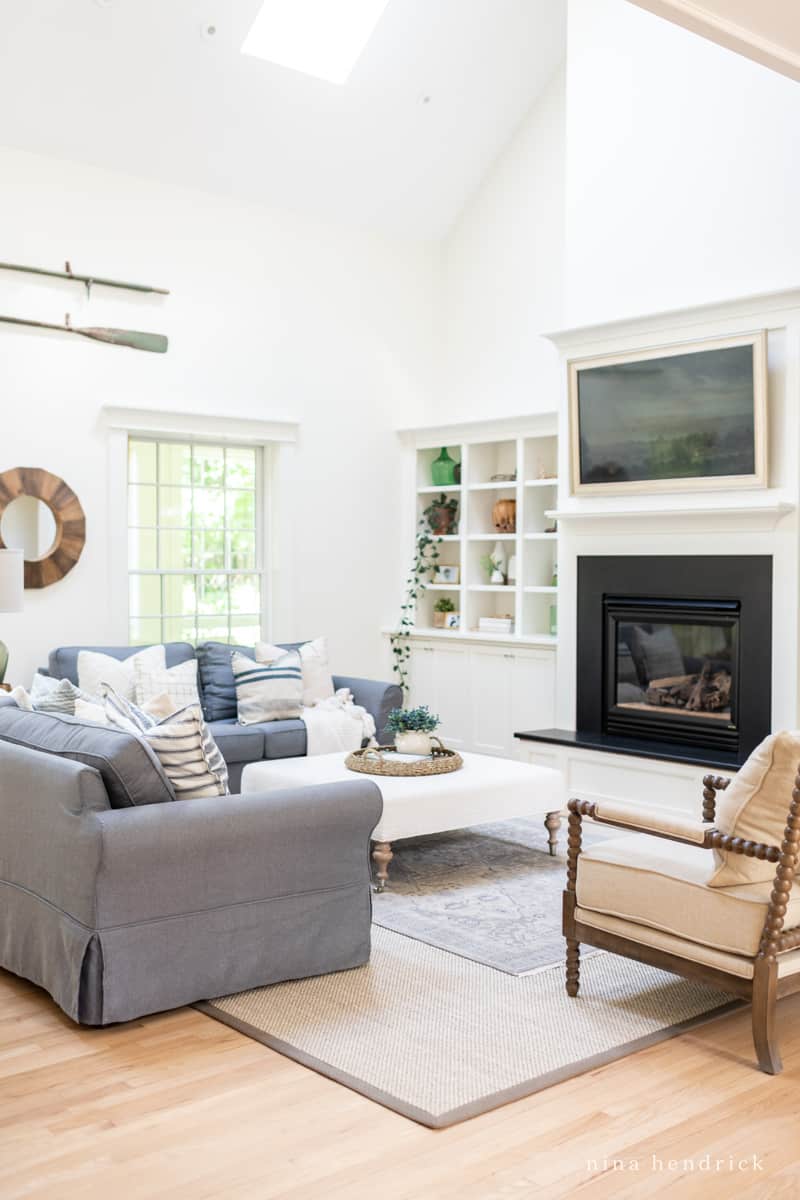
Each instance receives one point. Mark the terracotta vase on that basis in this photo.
(504, 516)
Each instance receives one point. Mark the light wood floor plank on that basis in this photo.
(180, 1107)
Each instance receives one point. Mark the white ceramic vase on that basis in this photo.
(413, 742)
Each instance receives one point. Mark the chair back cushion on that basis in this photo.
(63, 662)
(755, 807)
(217, 685)
(130, 771)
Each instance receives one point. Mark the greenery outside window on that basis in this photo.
(194, 557)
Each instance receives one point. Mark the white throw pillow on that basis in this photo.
(191, 759)
(317, 679)
(87, 710)
(179, 683)
(95, 668)
(268, 691)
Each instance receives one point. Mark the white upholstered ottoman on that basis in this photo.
(485, 789)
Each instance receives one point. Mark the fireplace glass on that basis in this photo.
(673, 666)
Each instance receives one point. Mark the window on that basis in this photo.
(194, 558)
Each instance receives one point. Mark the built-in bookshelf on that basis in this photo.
(530, 596)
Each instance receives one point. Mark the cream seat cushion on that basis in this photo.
(665, 885)
(755, 806)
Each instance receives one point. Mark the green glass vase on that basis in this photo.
(443, 469)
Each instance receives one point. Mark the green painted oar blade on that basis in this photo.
(156, 343)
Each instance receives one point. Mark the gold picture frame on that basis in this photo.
(684, 483)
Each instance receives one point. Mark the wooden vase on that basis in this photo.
(504, 516)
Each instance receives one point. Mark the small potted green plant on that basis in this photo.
(412, 729)
(441, 608)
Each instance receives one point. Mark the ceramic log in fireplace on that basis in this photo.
(675, 652)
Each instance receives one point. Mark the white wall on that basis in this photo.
(502, 278)
(270, 316)
(683, 181)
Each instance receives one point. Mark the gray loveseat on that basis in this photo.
(241, 744)
(121, 901)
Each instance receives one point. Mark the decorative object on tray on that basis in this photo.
(383, 760)
(678, 418)
(412, 728)
(446, 574)
(442, 609)
(498, 624)
(441, 515)
(443, 469)
(41, 516)
(11, 585)
(504, 516)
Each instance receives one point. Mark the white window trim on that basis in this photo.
(277, 439)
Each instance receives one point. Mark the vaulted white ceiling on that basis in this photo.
(135, 86)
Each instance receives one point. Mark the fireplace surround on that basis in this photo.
(674, 653)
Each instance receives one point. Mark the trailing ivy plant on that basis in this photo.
(426, 555)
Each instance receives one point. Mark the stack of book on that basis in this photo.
(495, 625)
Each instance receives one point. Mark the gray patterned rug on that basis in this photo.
(491, 894)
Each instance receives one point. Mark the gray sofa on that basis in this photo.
(241, 744)
(121, 901)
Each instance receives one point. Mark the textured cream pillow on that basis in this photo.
(120, 674)
(755, 806)
(178, 682)
(317, 680)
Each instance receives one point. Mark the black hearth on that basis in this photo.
(674, 657)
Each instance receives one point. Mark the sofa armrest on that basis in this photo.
(377, 698)
(661, 822)
(162, 860)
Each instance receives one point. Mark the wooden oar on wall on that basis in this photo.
(156, 343)
(87, 280)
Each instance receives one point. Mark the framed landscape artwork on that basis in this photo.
(677, 418)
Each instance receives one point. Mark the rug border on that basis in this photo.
(475, 1108)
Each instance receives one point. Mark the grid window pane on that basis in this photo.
(142, 462)
(145, 595)
(174, 463)
(179, 595)
(175, 506)
(240, 467)
(240, 510)
(208, 466)
(175, 549)
(142, 549)
(142, 505)
(209, 550)
(193, 549)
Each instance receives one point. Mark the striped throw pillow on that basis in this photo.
(191, 759)
(55, 695)
(268, 691)
(124, 713)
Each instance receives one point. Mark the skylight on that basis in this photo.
(318, 37)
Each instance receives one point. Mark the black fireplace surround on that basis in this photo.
(674, 657)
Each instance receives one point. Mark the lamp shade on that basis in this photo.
(12, 580)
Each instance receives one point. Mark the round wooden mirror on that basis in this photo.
(43, 517)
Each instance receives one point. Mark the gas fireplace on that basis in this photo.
(676, 651)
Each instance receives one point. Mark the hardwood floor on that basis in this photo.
(179, 1106)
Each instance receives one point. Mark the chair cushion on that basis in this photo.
(217, 686)
(63, 662)
(130, 771)
(237, 743)
(665, 885)
(284, 739)
(755, 806)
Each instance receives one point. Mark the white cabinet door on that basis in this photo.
(422, 674)
(490, 688)
(533, 690)
(451, 694)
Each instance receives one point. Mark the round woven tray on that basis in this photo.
(380, 760)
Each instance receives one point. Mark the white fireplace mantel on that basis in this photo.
(759, 517)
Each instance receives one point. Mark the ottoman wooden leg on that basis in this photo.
(552, 824)
(382, 856)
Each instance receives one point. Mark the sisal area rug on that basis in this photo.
(492, 893)
(440, 1038)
